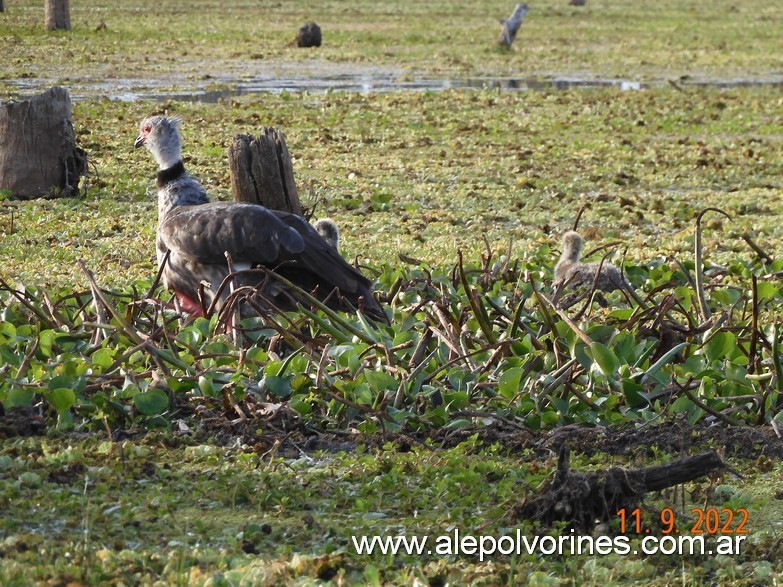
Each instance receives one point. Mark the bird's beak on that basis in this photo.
(140, 140)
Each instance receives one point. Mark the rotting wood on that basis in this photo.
(583, 498)
(262, 171)
(510, 26)
(38, 151)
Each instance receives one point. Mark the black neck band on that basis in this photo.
(171, 173)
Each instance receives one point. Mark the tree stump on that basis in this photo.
(509, 28)
(309, 36)
(262, 171)
(58, 16)
(38, 151)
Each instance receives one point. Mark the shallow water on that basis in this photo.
(374, 81)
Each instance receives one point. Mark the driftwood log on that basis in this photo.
(309, 35)
(38, 151)
(262, 171)
(582, 498)
(510, 26)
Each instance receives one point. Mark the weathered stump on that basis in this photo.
(582, 498)
(309, 35)
(262, 171)
(509, 28)
(58, 16)
(38, 151)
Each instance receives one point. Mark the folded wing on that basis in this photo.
(280, 241)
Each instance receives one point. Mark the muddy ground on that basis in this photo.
(290, 436)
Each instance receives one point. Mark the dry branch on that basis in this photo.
(582, 498)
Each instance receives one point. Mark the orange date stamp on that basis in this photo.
(709, 520)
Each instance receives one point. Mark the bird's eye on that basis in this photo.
(147, 127)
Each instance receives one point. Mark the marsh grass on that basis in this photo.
(623, 38)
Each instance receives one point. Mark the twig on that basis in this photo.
(478, 311)
(478, 414)
(233, 322)
(705, 407)
(698, 256)
(28, 358)
(571, 324)
(18, 295)
(129, 331)
(763, 255)
(578, 217)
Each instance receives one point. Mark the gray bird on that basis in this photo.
(570, 272)
(198, 236)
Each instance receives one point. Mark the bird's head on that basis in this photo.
(328, 230)
(572, 245)
(160, 134)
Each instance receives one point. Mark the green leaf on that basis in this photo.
(103, 357)
(456, 400)
(278, 386)
(18, 397)
(681, 405)
(362, 394)
(624, 345)
(720, 346)
(605, 358)
(508, 384)
(632, 392)
(152, 402)
(206, 386)
(61, 399)
(45, 341)
(8, 329)
(458, 423)
(767, 290)
(301, 406)
(381, 380)
(460, 378)
(30, 479)
(669, 356)
(579, 352)
(64, 420)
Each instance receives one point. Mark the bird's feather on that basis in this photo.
(245, 231)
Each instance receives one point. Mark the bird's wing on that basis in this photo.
(319, 264)
(320, 258)
(248, 233)
(283, 242)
